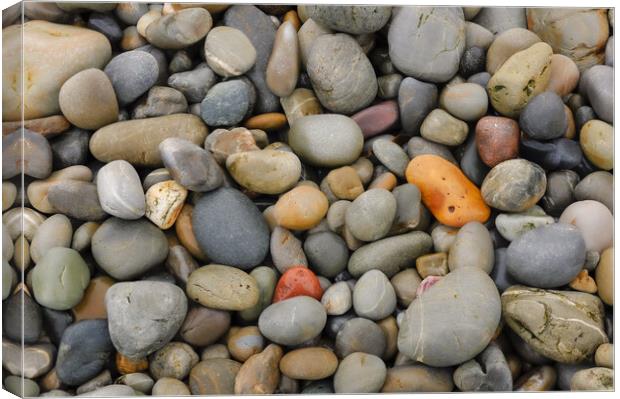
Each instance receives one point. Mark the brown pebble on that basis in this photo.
(584, 283)
(125, 365)
(185, 233)
(378, 118)
(570, 126)
(345, 183)
(497, 139)
(245, 342)
(313, 363)
(92, 305)
(301, 102)
(268, 122)
(284, 64)
(542, 378)
(204, 326)
(390, 330)
(432, 265)
(292, 17)
(222, 143)
(564, 75)
(302, 208)
(50, 381)
(260, 374)
(214, 377)
(386, 180)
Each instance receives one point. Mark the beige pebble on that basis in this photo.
(164, 201)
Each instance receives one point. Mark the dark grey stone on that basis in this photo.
(132, 73)
(556, 154)
(230, 229)
(327, 253)
(473, 61)
(191, 166)
(582, 116)
(471, 164)
(83, 351)
(360, 335)
(261, 31)
(416, 100)
(18, 313)
(560, 191)
(70, 148)
(227, 103)
(543, 118)
(55, 322)
(106, 25)
(598, 85)
(388, 86)
(547, 257)
(194, 84)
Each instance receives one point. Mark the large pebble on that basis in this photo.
(370, 216)
(230, 228)
(204, 326)
(76, 199)
(132, 73)
(120, 190)
(313, 363)
(293, 321)
(360, 373)
(122, 261)
(180, 29)
(283, 68)
(83, 351)
(137, 141)
(190, 165)
(374, 296)
(342, 76)
(416, 28)
(143, 316)
(266, 171)
(327, 253)
(548, 256)
(312, 139)
(222, 287)
(594, 221)
(60, 278)
(229, 52)
(463, 304)
(55, 53)
(565, 326)
(514, 185)
(227, 103)
(472, 247)
(353, 19)
(543, 117)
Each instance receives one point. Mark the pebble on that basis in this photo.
(130, 13)
(597, 186)
(499, 19)
(271, 121)
(506, 44)
(359, 334)
(83, 351)
(132, 74)
(355, 19)
(596, 84)
(232, 219)
(360, 372)
(524, 75)
(137, 141)
(420, 146)
(260, 374)
(302, 208)
(244, 342)
(283, 66)
(556, 154)
(474, 295)
(373, 296)
(22, 387)
(297, 281)
(214, 377)
(70, 148)
(442, 128)
(497, 139)
(378, 118)
(203, 326)
(275, 322)
(432, 174)
(310, 364)
(180, 29)
(227, 103)
(265, 171)
(215, 351)
(223, 143)
(560, 191)
(286, 250)
(370, 216)
(111, 391)
(337, 299)
(514, 185)
(143, 316)
(564, 75)
(596, 138)
(222, 287)
(604, 356)
(490, 373)
(21, 317)
(593, 220)
(164, 201)
(343, 78)
(170, 387)
(565, 326)
(31, 361)
(417, 378)
(408, 208)
(120, 190)
(138, 381)
(593, 379)
(465, 101)
(76, 199)
(513, 225)
(8, 279)
(604, 273)
(175, 360)
(543, 117)
(391, 155)
(229, 52)
(539, 379)
(27, 152)
(46, 44)
(548, 256)
(87, 99)
(122, 262)
(416, 99)
(406, 283)
(389, 255)
(327, 253)
(434, 61)
(193, 84)
(55, 231)
(266, 279)
(345, 183)
(92, 305)
(160, 101)
(473, 60)
(472, 247)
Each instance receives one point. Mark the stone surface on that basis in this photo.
(391, 155)
(132, 73)
(143, 316)
(417, 378)
(283, 67)
(55, 231)
(464, 303)
(28, 152)
(214, 377)
(514, 185)
(377, 118)
(120, 190)
(374, 296)
(360, 372)
(276, 324)
(70, 148)
(204, 326)
(164, 201)
(596, 85)
(548, 256)
(313, 363)
(160, 101)
(123, 262)
(228, 103)
(229, 52)
(175, 360)
(222, 287)
(76, 199)
(265, 171)
(597, 186)
(232, 219)
(506, 44)
(472, 247)
(565, 326)
(193, 84)
(513, 225)
(596, 139)
(370, 216)
(435, 61)
(488, 373)
(604, 276)
(180, 29)
(497, 139)
(465, 101)
(415, 100)
(593, 379)
(260, 374)
(302, 208)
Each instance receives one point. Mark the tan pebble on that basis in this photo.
(260, 374)
(596, 140)
(604, 275)
(164, 201)
(352, 242)
(390, 330)
(345, 183)
(185, 233)
(38, 189)
(292, 17)
(146, 19)
(432, 265)
(21, 256)
(265, 171)
(564, 75)
(336, 215)
(131, 39)
(170, 387)
(125, 365)
(406, 283)
(301, 102)
(260, 137)
(223, 143)
(583, 282)
(49, 126)
(570, 128)
(229, 52)
(283, 67)
(313, 363)
(245, 342)
(9, 194)
(604, 356)
(385, 180)
(302, 208)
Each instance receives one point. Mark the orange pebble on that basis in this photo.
(298, 281)
(125, 365)
(446, 191)
(268, 122)
(302, 208)
(293, 18)
(386, 180)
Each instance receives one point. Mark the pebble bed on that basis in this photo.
(239, 199)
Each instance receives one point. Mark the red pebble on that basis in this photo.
(298, 281)
(377, 118)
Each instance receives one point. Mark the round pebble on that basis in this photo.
(228, 51)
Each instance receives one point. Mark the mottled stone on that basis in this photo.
(497, 139)
(180, 29)
(222, 287)
(214, 377)
(514, 185)
(265, 171)
(24, 151)
(442, 128)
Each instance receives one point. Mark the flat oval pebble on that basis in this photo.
(417, 378)
(132, 73)
(229, 52)
(277, 324)
(513, 225)
(224, 218)
(55, 231)
(370, 216)
(514, 185)
(497, 139)
(465, 101)
(318, 363)
(120, 190)
(391, 155)
(222, 287)
(543, 117)
(593, 220)
(227, 103)
(360, 372)
(180, 29)
(464, 303)
(266, 171)
(302, 208)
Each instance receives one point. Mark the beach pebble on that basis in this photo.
(229, 52)
(120, 190)
(227, 103)
(543, 117)
(355, 19)
(416, 99)
(472, 247)
(465, 101)
(132, 73)
(180, 29)
(442, 128)
(275, 322)
(207, 285)
(514, 185)
(360, 372)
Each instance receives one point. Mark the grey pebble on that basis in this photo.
(120, 190)
(227, 103)
(193, 84)
(132, 73)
